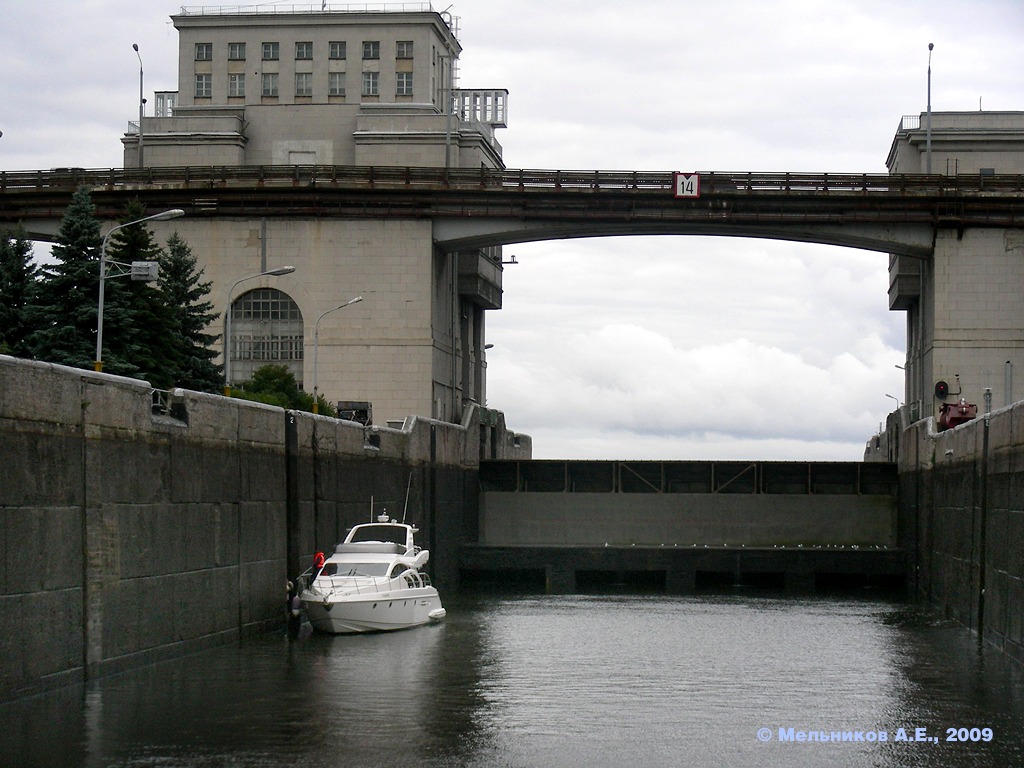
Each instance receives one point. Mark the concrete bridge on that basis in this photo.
(487, 207)
(950, 241)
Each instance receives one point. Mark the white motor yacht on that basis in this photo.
(373, 583)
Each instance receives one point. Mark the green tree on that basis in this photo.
(138, 324)
(185, 297)
(18, 284)
(276, 385)
(64, 315)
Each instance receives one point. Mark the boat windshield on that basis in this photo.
(344, 570)
(381, 532)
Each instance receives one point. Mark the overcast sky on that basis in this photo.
(637, 348)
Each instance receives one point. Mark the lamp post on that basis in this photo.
(316, 348)
(928, 125)
(142, 100)
(227, 319)
(162, 216)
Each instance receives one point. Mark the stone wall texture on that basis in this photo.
(962, 511)
(132, 532)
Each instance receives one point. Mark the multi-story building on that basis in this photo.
(279, 85)
(965, 308)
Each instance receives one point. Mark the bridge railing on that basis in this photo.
(429, 179)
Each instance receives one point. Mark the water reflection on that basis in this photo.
(538, 681)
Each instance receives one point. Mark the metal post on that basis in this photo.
(928, 125)
(142, 100)
(316, 348)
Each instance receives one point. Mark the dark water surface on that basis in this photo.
(559, 681)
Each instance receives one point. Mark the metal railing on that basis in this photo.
(263, 8)
(909, 123)
(397, 177)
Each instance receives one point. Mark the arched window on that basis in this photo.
(266, 329)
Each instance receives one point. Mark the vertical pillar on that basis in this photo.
(292, 506)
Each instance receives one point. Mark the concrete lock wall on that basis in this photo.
(132, 533)
(962, 496)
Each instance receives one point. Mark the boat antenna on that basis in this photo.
(408, 486)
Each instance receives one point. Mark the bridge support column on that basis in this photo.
(559, 580)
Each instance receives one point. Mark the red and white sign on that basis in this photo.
(686, 184)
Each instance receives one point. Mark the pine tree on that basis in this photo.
(64, 316)
(138, 325)
(18, 284)
(184, 294)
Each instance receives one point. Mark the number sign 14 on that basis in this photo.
(686, 184)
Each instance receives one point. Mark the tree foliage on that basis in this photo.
(151, 331)
(137, 321)
(64, 314)
(18, 276)
(276, 385)
(192, 313)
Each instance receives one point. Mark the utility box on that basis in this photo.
(145, 271)
(356, 410)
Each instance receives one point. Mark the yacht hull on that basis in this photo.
(378, 612)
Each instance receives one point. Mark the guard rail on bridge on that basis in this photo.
(439, 179)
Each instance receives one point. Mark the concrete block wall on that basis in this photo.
(962, 497)
(128, 536)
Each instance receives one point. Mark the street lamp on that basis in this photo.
(278, 271)
(142, 100)
(316, 347)
(893, 397)
(162, 216)
(928, 125)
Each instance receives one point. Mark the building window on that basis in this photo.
(270, 84)
(304, 50)
(337, 49)
(204, 86)
(271, 51)
(336, 84)
(371, 49)
(371, 85)
(236, 51)
(236, 85)
(404, 83)
(303, 83)
(266, 328)
(204, 51)
(404, 49)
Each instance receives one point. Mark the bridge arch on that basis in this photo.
(454, 234)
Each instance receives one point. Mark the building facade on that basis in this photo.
(278, 85)
(964, 305)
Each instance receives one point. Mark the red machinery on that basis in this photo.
(953, 414)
